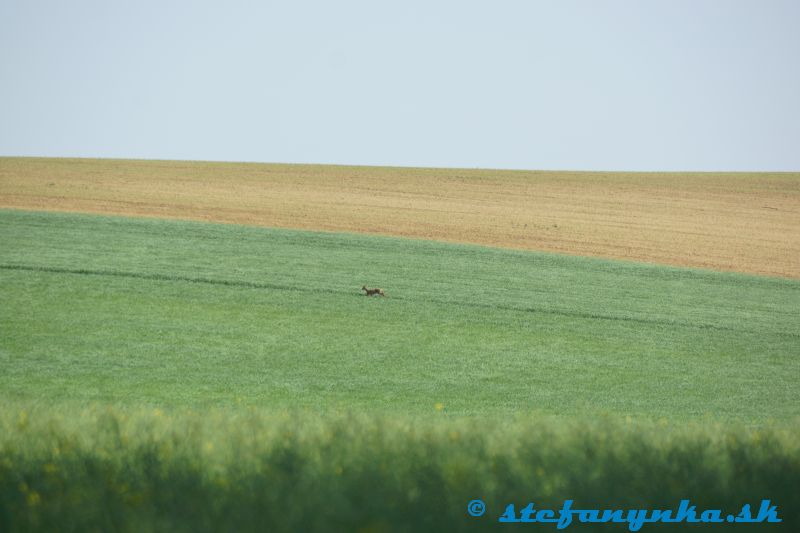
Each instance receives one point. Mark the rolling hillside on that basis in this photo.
(191, 375)
(735, 222)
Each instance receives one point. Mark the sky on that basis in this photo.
(661, 85)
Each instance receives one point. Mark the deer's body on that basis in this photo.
(373, 292)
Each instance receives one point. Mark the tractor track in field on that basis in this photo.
(342, 292)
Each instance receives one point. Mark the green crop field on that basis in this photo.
(484, 373)
(113, 310)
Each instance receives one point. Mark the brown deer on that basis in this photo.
(373, 292)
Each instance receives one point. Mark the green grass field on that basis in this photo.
(117, 310)
(617, 382)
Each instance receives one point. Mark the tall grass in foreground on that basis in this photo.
(237, 469)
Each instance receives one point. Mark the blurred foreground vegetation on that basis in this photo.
(243, 469)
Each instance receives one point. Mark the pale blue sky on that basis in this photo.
(594, 85)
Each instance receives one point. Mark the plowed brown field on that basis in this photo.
(747, 222)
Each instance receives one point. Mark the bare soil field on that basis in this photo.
(746, 222)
